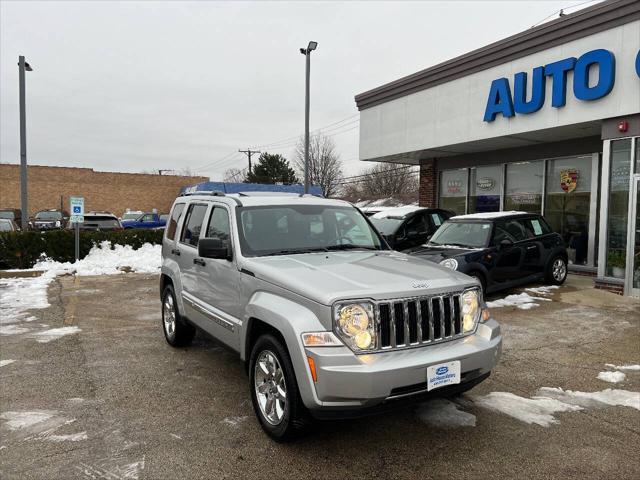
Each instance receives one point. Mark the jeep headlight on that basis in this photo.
(354, 323)
(470, 310)
(451, 263)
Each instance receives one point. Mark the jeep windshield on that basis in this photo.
(462, 234)
(293, 229)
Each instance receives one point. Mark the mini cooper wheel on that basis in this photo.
(556, 272)
(176, 331)
(274, 391)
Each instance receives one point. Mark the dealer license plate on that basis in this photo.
(443, 374)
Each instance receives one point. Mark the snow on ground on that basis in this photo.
(54, 333)
(544, 290)
(538, 410)
(608, 397)
(39, 425)
(19, 295)
(622, 367)
(523, 301)
(444, 413)
(4, 363)
(612, 377)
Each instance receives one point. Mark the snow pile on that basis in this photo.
(623, 367)
(17, 295)
(103, 260)
(611, 397)
(612, 377)
(538, 410)
(523, 301)
(443, 413)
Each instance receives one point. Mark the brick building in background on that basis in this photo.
(49, 187)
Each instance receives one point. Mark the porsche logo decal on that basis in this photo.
(569, 179)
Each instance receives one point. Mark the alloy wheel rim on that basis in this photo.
(559, 269)
(270, 387)
(169, 316)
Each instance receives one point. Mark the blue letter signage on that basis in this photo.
(585, 86)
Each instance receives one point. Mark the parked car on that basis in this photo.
(99, 221)
(7, 225)
(407, 227)
(146, 220)
(500, 249)
(131, 215)
(13, 214)
(52, 219)
(329, 321)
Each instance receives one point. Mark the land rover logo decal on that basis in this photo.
(485, 183)
(569, 179)
(420, 284)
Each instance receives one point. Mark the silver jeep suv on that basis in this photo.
(329, 321)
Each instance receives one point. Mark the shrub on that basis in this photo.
(23, 249)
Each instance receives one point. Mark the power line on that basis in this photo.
(562, 12)
(358, 178)
(249, 152)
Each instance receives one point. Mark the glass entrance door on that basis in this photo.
(633, 251)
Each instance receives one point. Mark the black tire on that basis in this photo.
(556, 270)
(295, 417)
(480, 278)
(182, 333)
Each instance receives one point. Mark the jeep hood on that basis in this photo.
(332, 276)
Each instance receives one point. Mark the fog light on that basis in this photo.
(363, 340)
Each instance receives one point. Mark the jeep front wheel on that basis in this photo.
(274, 391)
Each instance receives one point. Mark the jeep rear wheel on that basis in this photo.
(176, 331)
(274, 391)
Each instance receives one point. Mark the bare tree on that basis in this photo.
(325, 166)
(235, 175)
(398, 183)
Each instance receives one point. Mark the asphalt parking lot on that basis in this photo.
(114, 401)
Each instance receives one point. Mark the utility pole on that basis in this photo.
(307, 53)
(248, 152)
(22, 67)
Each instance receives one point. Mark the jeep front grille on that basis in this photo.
(411, 322)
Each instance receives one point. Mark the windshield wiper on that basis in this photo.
(295, 251)
(350, 246)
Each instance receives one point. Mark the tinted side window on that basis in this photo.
(416, 224)
(219, 225)
(508, 230)
(173, 223)
(193, 224)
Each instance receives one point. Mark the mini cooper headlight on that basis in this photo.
(354, 324)
(451, 263)
(470, 310)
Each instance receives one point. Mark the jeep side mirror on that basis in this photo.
(505, 243)
(213, 248)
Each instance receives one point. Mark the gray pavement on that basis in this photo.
(114, 401)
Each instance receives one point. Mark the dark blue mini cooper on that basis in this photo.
(500, 249)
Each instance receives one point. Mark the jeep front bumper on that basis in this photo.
(346, 381)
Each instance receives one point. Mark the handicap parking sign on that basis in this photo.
(77, 209)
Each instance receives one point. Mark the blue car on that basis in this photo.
(145, 220)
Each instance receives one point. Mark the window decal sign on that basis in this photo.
(594, 75)
(569, 179)
(485, 183)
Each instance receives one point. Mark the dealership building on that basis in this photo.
(545, 121)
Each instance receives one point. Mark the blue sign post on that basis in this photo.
(77, 217)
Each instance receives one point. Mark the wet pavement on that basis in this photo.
(110, 399)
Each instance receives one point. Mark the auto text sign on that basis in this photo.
(443, 374)
(77, 209)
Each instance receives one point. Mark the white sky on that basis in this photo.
(147, 85)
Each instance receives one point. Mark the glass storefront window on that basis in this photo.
(485, 188)
(453, 190)
(567, 203)
(618, 208)
(524, 187)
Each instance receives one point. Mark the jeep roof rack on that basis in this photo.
(213, 193)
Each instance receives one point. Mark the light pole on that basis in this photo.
(307, 53)
(22, 67)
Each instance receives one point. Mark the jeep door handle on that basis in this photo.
(175, 251)
(199, 261)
